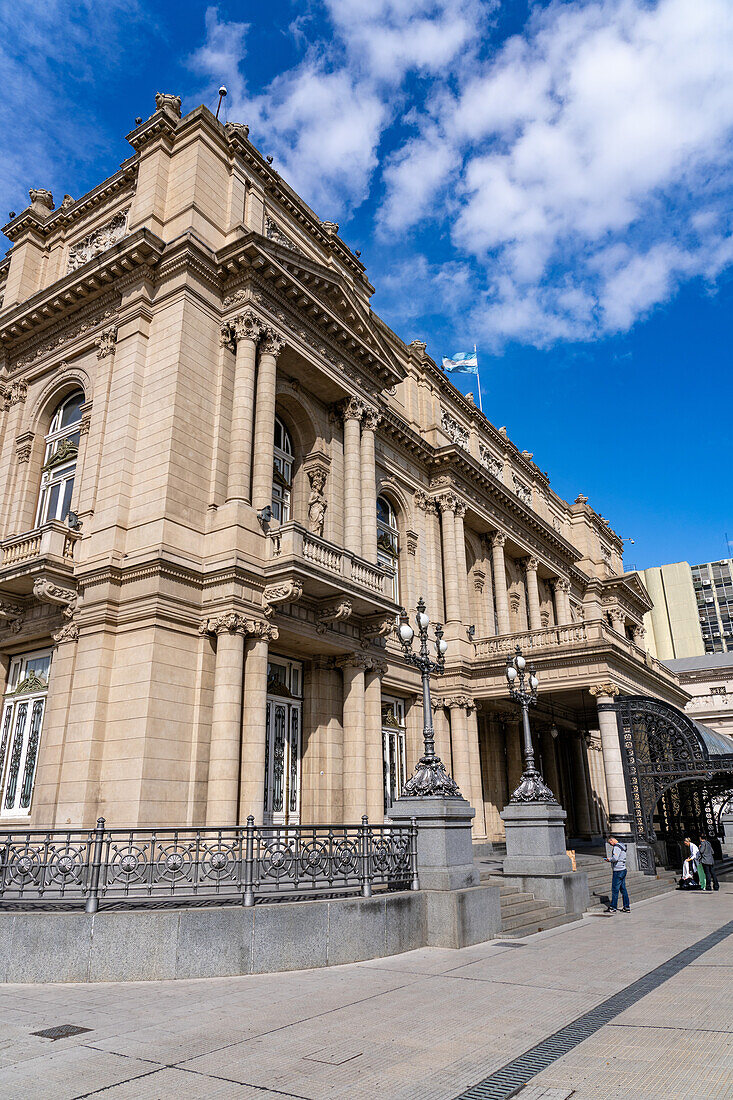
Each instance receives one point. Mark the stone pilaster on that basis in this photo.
(353, 669)
(373, 740)
(447, 505)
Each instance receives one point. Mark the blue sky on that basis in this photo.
(550, 181)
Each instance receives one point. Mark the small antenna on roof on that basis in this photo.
(222, 93)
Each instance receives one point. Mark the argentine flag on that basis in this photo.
(463, 362)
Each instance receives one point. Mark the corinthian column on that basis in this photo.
(562, 601)
(618, 806)
(254, 720)
(369, 485)
(244, 332)
(447, 504)
(264, 432)
(533, 593)
(353, 411)
(500, 592)
(222, 789)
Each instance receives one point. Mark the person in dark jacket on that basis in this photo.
(707, 859)
(617, 859)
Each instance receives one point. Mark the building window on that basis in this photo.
(282, 477)
(59, 461)
(20, 731)
(393, 736)
(388, 543)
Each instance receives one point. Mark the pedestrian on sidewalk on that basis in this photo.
(695, 861)
(617, 859)
(707, 858)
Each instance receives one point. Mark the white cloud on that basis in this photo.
(603, 121)
(323, 120)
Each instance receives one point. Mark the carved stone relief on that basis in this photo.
(98, 241)
(454, 430)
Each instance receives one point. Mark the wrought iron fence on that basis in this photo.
(142, 867)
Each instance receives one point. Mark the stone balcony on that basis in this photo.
(326, 571)
(571, 640)
(45, 551)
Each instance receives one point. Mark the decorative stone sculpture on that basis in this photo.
(317, 503)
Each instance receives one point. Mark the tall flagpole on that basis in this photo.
(478, 380)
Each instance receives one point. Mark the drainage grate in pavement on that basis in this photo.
(507, 943)
(62, 1031)
(507, 1081)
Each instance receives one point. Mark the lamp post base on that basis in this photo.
(430, 778)
(444, 848)
(535, 838)
(532, 788)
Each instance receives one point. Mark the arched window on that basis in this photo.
(388, 545)
(282, 476)
(59, 460)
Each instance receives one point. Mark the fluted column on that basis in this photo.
(352, 413)
(460, 536)
(618, 806)
(374, 747)
(222, 790)
(354, 758)
(243, 332)
(533, 593)
(264, 429)
(447, 504)
(500, 587)
(369, 486)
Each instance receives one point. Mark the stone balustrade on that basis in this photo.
(53, 540)
(292, 542)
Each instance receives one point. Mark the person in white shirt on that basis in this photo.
(695, 864)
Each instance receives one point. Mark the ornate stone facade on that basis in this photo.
(259, 479)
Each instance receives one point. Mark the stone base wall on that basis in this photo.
(154, 945)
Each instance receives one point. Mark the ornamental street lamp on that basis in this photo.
(523, 684)
(430, 776)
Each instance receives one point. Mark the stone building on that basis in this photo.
(222, 475)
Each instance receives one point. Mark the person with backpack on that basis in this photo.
(617, 859)
(707, 859)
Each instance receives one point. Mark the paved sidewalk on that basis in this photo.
(422, 1026)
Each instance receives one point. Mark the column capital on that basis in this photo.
(460, 702)
(607, 687)
(498, 539)
(449, 502)
(247, 325)
(372, 419)
(377, 667)
(561, 584)
(354, 660)
(231, 622)
(530, 564)
(351, 409)
(272, 343)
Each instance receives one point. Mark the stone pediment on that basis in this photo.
(316, 292)
(631, 586)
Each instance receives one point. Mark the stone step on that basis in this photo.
(512, 908)
(540, 925)
(539, 914)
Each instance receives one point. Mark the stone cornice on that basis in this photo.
(140, 249)
(67, 215)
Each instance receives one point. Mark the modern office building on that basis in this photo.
(222, 475)
(713, 583)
